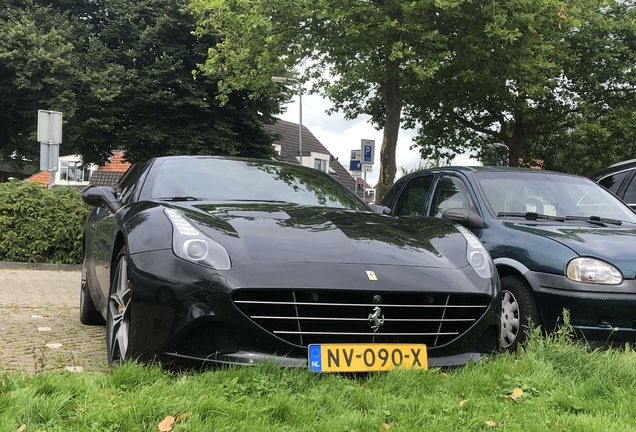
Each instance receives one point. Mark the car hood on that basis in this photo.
(289, 233)
(614, 244)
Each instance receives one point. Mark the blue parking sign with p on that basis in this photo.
(368, 151)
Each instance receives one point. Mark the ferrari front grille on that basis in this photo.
(342, 316)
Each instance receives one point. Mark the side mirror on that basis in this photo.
(380, 209)
(465, 217)
(101, 196)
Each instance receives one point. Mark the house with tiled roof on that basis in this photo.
(72, 173)
(315, 155)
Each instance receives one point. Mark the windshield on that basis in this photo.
(549, 194)
(228, 180)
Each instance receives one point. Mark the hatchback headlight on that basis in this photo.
(476, 254)
(591, 270)
(191, 245)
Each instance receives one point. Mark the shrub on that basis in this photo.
(41, 225)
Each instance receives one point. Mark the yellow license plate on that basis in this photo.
(366, 357)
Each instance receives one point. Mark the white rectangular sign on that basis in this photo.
(49, 127)
(367, 168)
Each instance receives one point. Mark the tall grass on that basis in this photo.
(552, 384)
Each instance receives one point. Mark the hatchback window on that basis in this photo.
(614, 181)
(411, 202)
(630, 193)
(549, 194)
(451, 192)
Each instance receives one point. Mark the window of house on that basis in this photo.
(320, 164)
(74, 171)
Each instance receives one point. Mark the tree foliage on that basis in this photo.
(121, 73)
(372, 51)
(548, 79)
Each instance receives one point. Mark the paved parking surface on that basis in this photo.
(39, 323)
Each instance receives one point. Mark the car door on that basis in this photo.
(106, 227)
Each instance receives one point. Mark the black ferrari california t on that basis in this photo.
(199, 260)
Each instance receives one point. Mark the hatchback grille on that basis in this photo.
(342, 316)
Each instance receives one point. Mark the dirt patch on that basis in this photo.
(39, 323)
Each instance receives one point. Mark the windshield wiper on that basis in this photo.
(595, 220)
(531, 216)
(180, 198)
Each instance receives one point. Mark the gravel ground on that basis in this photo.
(39, 323)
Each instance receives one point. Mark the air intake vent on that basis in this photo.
(208, 339)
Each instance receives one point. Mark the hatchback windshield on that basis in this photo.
(227, 180)
(549, 194)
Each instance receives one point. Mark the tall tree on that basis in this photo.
(128, 83)
(373, 51)
(542, 77)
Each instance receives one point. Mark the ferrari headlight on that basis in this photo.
(476, 254)
(591, 270)
(188, 243)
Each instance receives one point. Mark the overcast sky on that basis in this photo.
(341, 136)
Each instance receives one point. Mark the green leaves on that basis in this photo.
(41, 225)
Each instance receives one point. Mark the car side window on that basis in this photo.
(411, 201)
(390, 196)
(630, 193)
(450, 192)
(614, 181)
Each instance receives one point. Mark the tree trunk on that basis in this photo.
(393, 110)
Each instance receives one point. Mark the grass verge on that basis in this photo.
(553, 384)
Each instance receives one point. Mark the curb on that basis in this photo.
(39, 266)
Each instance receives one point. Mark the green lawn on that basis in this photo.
(553, 384)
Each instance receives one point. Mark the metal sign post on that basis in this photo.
(50, 138)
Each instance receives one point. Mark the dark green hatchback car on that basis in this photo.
(558, 241)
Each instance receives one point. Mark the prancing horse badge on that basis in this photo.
(371, 275)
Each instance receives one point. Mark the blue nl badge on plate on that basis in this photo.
(315, 358)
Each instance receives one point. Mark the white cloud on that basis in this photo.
(340, 136)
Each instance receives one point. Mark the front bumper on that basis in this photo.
(185, 313)
(597, 312)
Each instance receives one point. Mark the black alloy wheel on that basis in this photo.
(89, 315)
(518, 308)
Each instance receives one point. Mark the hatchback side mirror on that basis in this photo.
(465, 217)
(101, 196)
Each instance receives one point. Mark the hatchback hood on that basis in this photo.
(614, 244)
(295, 234)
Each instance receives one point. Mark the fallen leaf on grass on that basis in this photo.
(166, 424)
(461, 403)
(22, 428)
(364, 386)
(492, 423)
(181, 417)
(385, 426)
(516, 393)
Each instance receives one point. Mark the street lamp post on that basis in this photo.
(494, 145)
(282, 80)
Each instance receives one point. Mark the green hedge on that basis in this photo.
(41, 225)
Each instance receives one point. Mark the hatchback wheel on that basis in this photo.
(517, 309)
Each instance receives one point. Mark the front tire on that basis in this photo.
(119, 344)
(517, 309)
(89, 315)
